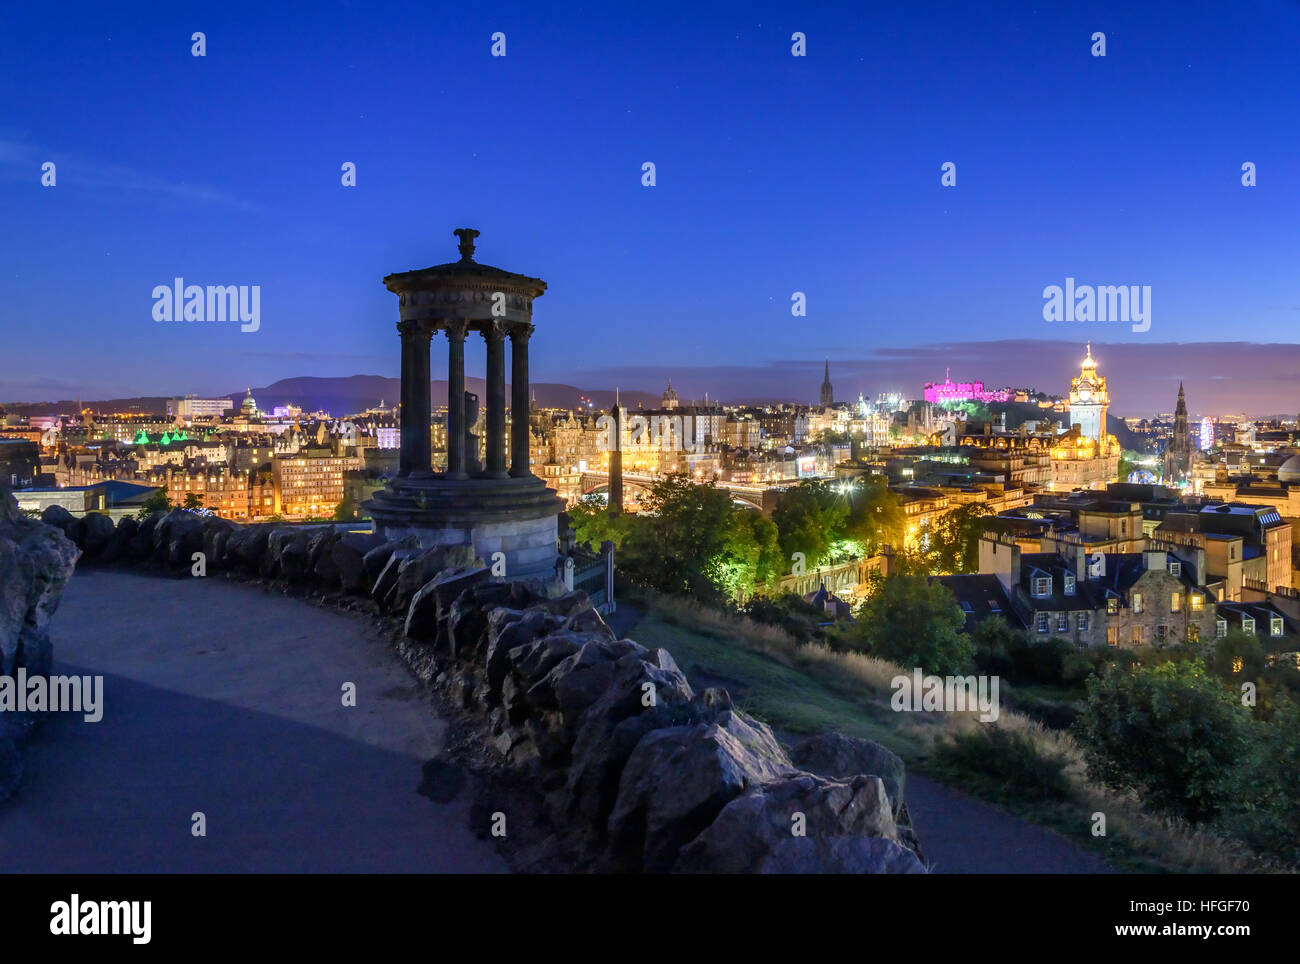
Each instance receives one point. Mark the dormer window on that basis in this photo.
(1042, 585)
(1175, 568)
(1275, 626)
(1069, 584)
(1248, 623)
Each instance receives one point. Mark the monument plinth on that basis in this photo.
(492, 507)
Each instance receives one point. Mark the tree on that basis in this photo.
(193, 502)
(1268, 816)
(912, 621)
(1171, 732)
(592, 523)
(876, 517)
(686, 540)
(954, 545)
(1238, 657)
(158, 502)
(346, 510)
(810, 519)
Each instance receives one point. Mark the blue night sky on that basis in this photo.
(775, 174)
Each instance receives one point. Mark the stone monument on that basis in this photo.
(498, 507)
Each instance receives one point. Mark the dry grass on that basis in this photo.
(1155, 840)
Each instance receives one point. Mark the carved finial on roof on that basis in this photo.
(467, 236)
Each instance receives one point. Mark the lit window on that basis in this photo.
(1112, 605)
(1198, 601)
(1112, 636)
(1137, 602)
(1248, 623)
(1138, 635)
(1042, 585)
(1275, 626)
(1175, 602)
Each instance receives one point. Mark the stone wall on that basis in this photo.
(641, 772)
(36, 561)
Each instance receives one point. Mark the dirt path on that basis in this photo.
(225, 699)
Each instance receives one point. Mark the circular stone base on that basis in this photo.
(516, 517)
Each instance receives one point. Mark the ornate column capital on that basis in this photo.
(456, 328)
(521, 331)
(495, 329)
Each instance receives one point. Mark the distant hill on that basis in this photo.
(338, 396)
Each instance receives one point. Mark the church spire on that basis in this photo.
(828, 393)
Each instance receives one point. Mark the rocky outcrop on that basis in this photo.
(36, 561)
(643, 773)
(636, 770)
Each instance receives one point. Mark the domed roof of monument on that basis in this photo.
(466, 270)
(1289, 471)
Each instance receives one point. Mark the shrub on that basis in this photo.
(1007, 764)
(1171, 732)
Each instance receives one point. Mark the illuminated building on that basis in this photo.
(950, 392)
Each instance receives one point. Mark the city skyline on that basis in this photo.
(1140, 388)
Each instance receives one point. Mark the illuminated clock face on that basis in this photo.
(1085, 395)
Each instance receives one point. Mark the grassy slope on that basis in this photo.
(785, 697)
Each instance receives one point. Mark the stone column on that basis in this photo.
(495, 336)
(407, 441)
(519, 404)
(456, 400)
(421, 404)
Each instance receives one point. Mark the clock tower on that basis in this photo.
(1089, 401)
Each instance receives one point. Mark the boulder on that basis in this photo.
(36, 561)
(840, 756)
(416, 570)
(463, 630)
(349, 562)
(427, 612)
(320, 558)
(679, 778)
(142, 539)
(377, 558)
(214, 544)
(97, 532)
(294, 563)
(177, 536)
(246, 547)
(803, 824)
(386, 581)
(59, 517)
(507, 629)
(119, 546)
(578, 681)
(611, 726)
